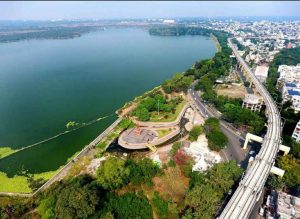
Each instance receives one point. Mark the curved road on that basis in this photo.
(250, 187)
(234, 149)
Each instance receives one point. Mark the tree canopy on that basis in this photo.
(216, 139)
(207, 190)
(76, 198)
(195, 132)
(112, 173)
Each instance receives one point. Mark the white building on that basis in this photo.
(289, 74)
(296, 133)
(261, 72)
(291, 92)
(169, 21)
(252, 102)
(203, 157)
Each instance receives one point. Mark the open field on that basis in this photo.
(172, 185)
(233, 91)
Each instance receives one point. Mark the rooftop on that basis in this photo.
(288, 206)
(294, 92)
(252, 99)
(262, 71)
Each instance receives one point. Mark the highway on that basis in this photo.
(248, 192)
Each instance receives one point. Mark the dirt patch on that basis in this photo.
(172, 185)
(233, 91)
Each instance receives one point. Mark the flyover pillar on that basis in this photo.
(250, 137)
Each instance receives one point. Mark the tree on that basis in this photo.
(175, 147)
(207, 190)
(274, 182)
(178, 83)
(130, 205)
(216, 139)
(203, 201)
(142, 171)
(142, 114)
(160, 205)
(46, 208)
(75, 198)
(291, 165)
(195, 132)
(77, 202)
(113, 173)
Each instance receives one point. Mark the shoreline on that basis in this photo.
(216, 42)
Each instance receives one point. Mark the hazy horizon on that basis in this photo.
(148, 10)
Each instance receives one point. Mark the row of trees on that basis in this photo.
(178, 83)
(178, 31)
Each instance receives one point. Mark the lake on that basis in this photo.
(44, 84)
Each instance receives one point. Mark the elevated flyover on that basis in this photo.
(250, 187)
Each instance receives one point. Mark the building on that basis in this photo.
(261, 72)
(289, 74)
(291, 92)
(253, 102)
(169, 21)
(296, 133)
(288, 206)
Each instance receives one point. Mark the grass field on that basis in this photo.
(14, 184)
(19, 184)
(163, 132)
(167, 117)
(5, 151)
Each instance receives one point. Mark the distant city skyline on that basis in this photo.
(27, 10)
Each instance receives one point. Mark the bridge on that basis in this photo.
(250, 188)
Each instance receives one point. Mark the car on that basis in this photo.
(261, 212)
(230, 192)
(252, 152)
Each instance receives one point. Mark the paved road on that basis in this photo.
(234, 149)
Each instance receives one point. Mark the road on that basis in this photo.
(250, 188)
(234, 149)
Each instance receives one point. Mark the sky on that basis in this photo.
(43, 10)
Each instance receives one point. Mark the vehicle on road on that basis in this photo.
(261, 212)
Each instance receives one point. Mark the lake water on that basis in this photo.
(46, 83)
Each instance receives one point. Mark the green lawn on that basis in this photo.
(19, 183)
(5, 151)
(167, 117)
(14, 184)
(163, 132)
